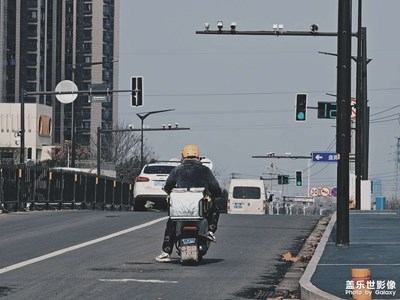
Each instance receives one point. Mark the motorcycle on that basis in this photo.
(188, 208)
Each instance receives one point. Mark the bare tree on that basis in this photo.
(61, 154)
(122, 149)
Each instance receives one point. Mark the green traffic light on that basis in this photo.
(300, 116)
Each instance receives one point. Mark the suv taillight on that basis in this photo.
(142, 179)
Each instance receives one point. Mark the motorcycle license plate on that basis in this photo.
(189, 253)
(188, 241)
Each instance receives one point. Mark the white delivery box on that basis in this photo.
(186, 204)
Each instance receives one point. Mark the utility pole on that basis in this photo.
(22, 130)
(343, 121)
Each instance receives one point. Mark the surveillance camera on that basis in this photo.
(275, 26)
(176, 125)
(169, 126)
(314, 28)
(207, 26)
(163, 126)
(280, 26)
(131, 126)
(220, 25)
(233, 26)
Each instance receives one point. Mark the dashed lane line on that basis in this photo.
(124, 280)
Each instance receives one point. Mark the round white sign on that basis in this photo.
(66, 86)
(325, 192)
(313, 192)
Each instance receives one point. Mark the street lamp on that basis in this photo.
(143, 116)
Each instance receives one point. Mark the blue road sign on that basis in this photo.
(334, 191)
(324, 156)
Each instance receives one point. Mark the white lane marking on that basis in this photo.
(72, 248)
(138, 280)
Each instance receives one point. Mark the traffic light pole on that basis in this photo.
(343, 121)
(272, 155)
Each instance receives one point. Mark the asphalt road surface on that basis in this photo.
(88, 254)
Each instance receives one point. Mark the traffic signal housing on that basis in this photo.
(137, 90)
(299, 180)
(283, 179)
(301, 107)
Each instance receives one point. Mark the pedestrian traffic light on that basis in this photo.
(137, 90)
(299, 181)
(301, 107)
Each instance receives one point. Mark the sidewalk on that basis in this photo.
(374, 244)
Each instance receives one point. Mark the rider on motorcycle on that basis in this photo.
(191, 173)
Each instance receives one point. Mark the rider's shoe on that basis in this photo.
(163, 257)
(211, 237)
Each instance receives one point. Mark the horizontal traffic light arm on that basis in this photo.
(145, 129)
(271, 32)
(283, 156)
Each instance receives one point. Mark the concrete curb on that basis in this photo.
(307, 290)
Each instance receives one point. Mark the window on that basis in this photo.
(87, 34)
(31, 73)
(88, 7)
(158, 169)
(106, 75)
(246, 192)
(87, 47)
(33, 15)
(87, 22)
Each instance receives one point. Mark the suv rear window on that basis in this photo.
(158, 169)
(246, 192)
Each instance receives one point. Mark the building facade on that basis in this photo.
(38, 132)
(43, 42)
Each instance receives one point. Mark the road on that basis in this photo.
(110, 255)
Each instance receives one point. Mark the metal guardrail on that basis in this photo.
(290, 207)
(24, 187)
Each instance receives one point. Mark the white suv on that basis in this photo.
(149, 185)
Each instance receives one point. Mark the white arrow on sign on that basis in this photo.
(318, 157)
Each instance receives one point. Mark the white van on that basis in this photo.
(247, 196)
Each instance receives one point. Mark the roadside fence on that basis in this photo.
(37, 188)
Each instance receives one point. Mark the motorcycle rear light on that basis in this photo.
(190, 227)
(142, 179)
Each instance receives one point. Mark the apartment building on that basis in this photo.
(43, 42)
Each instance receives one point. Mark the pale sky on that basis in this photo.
(237, 93)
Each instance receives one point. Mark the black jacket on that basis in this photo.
(192, 173)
